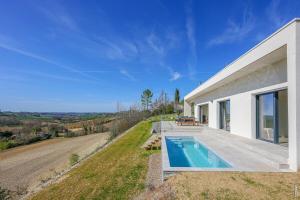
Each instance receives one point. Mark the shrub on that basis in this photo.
(169, 109)
(9, 121)
(100, 128)
(74, 158)
(114, 130)
(6, 134)
(6, 144)
(33, 139)
(54, 134)
(126, 120)
(4, 194)
(69, 134)
(54, 129)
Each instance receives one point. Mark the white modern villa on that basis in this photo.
(257, 96)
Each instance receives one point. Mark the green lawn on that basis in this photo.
(117, 172)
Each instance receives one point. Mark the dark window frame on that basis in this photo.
(275, 118)
(221, 122)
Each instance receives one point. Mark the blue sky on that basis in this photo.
(85, 56)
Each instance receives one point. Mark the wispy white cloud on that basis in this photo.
(29, 54)
(190, 29)
(113, 51)
(159, 46)
(55, 76)
(98, 71)
(274, 15)
(130, 46)
(277, 13)
(163, 42)
(118, 49)
(154, 48)
(156, 44)
(13, 77)
(58, 15)
(112, 48)
(190, 33)
(173, 39)
(175, 76)
(260, 36)
(127, 75)
(235, 31)
(4, 39)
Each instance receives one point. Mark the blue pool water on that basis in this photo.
(187, 152)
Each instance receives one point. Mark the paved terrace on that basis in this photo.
(242, 153)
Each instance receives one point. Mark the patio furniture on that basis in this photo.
(183, 121)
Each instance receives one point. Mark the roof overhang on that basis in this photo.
(258, 57)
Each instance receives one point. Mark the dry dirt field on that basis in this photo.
(24, 167)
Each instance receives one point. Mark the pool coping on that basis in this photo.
(235, 167)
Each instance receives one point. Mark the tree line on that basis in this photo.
(162, 104)
(126, 118)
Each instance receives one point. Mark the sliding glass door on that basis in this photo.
(225, 115)
(272, 122)
(266, 116)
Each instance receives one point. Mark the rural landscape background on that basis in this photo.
(21, 128)
(37, 147)
(86, 85)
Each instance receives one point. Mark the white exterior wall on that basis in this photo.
(187, 109)
(241, 92)
(293, 53)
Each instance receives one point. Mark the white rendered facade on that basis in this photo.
(272, 65)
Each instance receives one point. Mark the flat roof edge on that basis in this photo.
(297, 19)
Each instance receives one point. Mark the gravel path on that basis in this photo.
(154, 174)
(153, 180)
(24, 167)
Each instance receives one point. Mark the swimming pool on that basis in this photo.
(188, 152)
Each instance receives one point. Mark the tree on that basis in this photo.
(177, 96)
(54, 129)
(163, 99)
(85, 128)
(169, 109)
(176, 99)
(146, 98)
(36, 130)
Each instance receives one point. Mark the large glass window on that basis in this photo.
(266, 116)
(225, 115)
(272, 117)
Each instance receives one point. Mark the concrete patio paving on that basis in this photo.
(242, 153)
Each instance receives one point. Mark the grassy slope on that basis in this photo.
(117, 172)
